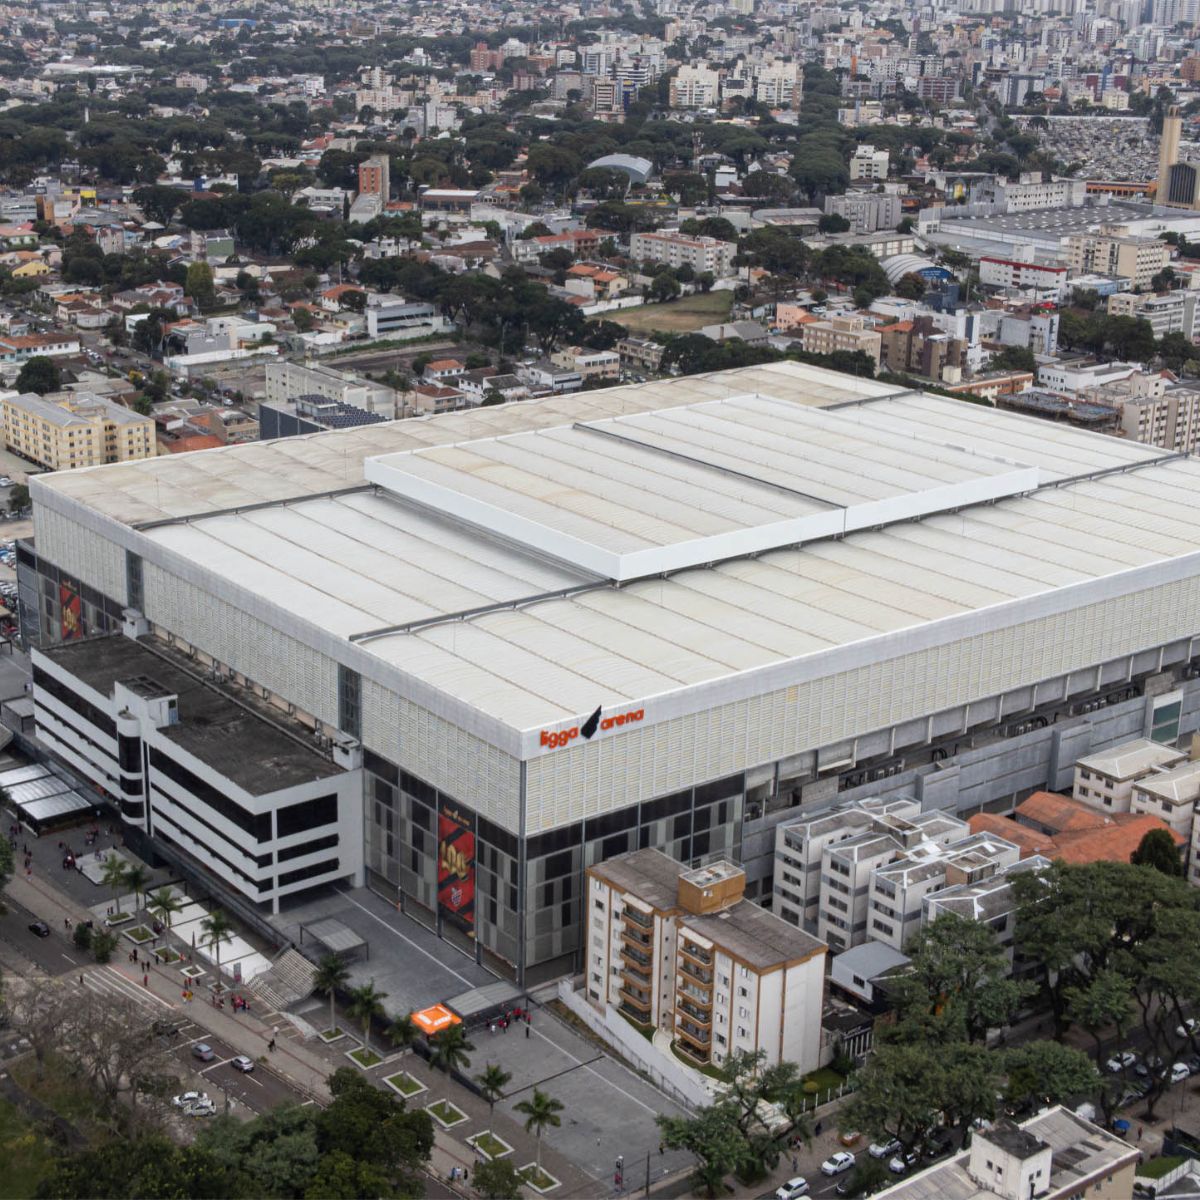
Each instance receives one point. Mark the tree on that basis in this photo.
(1014, 358)
(104, 942)
(450, 1049)
(1043, 1073)
(663, 287)
(199, 285)
(275, 1154)
(497, 1180)
(159, 203)
(833, 223)
(366, 1003)
(39, 374)
(540, 1112)
(303, 319)
(492, 1083)
(136, 878)
(910, 286)
(1102, 1004)
(114, 878)
(331, 974)
(18, 502)
(164, 905)
(402, 1032)
(215, 929)
(1157, 849)
(959, 977)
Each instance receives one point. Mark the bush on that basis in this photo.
(82, 937)
(497, 1180)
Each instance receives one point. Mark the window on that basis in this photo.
(743, 992)
(133, 580)
(308, 814)
(743, 1012)
(349, 701)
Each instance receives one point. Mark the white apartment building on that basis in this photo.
(678, 249)
(1137, 259)
(1170, 795)
(286, 381)
(679, 950)
(779, 85)
(867, 163)
(1042, 279)
(1172, 312)
(591, 364)
(694, 87)
(1106, 781)
(395, 317)
(1073, 377)
(1169, 419)
(867, 212)
(841, 333)
(898, 891)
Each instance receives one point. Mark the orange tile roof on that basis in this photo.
(196, 441)
(1057, 812)
(1115, 842)
(1029, 840)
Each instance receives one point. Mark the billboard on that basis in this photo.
(71, 626)
(456, 866)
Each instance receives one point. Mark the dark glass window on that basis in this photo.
(321, 843)
(349, 701)
(64, 695)
(321, 868)
(308, 814)
(256, 824)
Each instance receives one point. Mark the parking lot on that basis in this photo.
(259, 1091)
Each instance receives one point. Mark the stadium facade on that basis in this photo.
(462, 658)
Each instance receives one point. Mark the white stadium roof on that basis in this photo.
(435, 585)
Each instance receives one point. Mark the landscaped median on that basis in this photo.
(404, 1083)
(489, 1145)
(538, 1178)
(445, 1114)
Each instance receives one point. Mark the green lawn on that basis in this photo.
(445, 1113)
(538, 1177)
(404, 1083)
(26, 1155)
(365, 1058)
(490, 1144)
(1156, 1168)
(676, 316)
(824, 1078)
(139, 934)
(704, 1068)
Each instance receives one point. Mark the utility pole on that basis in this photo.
(647, 1192)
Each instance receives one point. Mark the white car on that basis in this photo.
(793, 1189)
(200, 1108)
(1184, 1030)
(1120, 1060)
(186, 1098)
(883, 1149)
(1179, 1072)
(835, 1164)
(902, 1162)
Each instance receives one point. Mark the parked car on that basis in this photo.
(1179, 1072)
(902, 1162)
(1193, 1063)
(242, 1063)
(849, 1138)
(40, 928)
(203, 1051)
(838, 1162)
(1152, 1064)
(200, 1108)
(793, 1189)
(1120, 1061)
(186, 1098)
(883, 1149)
(1187, 1028)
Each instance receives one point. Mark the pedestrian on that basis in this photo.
(526, 1030)
(1139, 1133)
(660, 1147)
(271, 1044)
(466, 1175)
(795, 1163)
(146, 979)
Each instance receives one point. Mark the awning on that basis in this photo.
(433, 1020)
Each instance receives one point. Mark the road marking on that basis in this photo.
(69, 959)
(392, 929)
(579, 1062)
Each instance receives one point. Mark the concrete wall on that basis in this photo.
(665, 1072)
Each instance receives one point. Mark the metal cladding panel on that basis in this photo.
(682, 751)
(71, 548)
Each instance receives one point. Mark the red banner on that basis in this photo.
(456, 867)
(72, 613)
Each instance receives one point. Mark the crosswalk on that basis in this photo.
(111, 981)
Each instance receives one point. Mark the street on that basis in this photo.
(55, 954)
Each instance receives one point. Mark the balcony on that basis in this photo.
(636, 975)
(696, 953)
(644, 920)
(638, 1001)
(636, 937)
(694, 972)
(636, 956)
(700, 1038)
(694, 994)
(696, 1014)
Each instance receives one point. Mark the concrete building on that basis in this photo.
(1137, 259)
(310, 414)
(787, 587)
(919, 347)
(841, 333)
(867, 212)
(1053, 1156)
(1082, 376)
(868, 164)
(695, 87)
(289, 381)
(1178, 182)
(1171, 312)
(677, 249)
(681, 951)
(1169, 418)
(591, 364)
(1043, 279)
(394, 317)
(74, 429)
(641, 353)
(1106, 781)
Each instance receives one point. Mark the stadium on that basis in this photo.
(460, 659)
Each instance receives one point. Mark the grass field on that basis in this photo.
(677, 316)
(27, 1157)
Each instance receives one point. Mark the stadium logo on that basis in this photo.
(552, 739)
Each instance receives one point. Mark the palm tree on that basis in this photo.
(216, 928)
(115, 875)
(540, 1111)
(366, 1003)
(136, 878)
(164, 905)
(450, 1049)
(492, 1083)
(331, 974)
(401, 1032)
